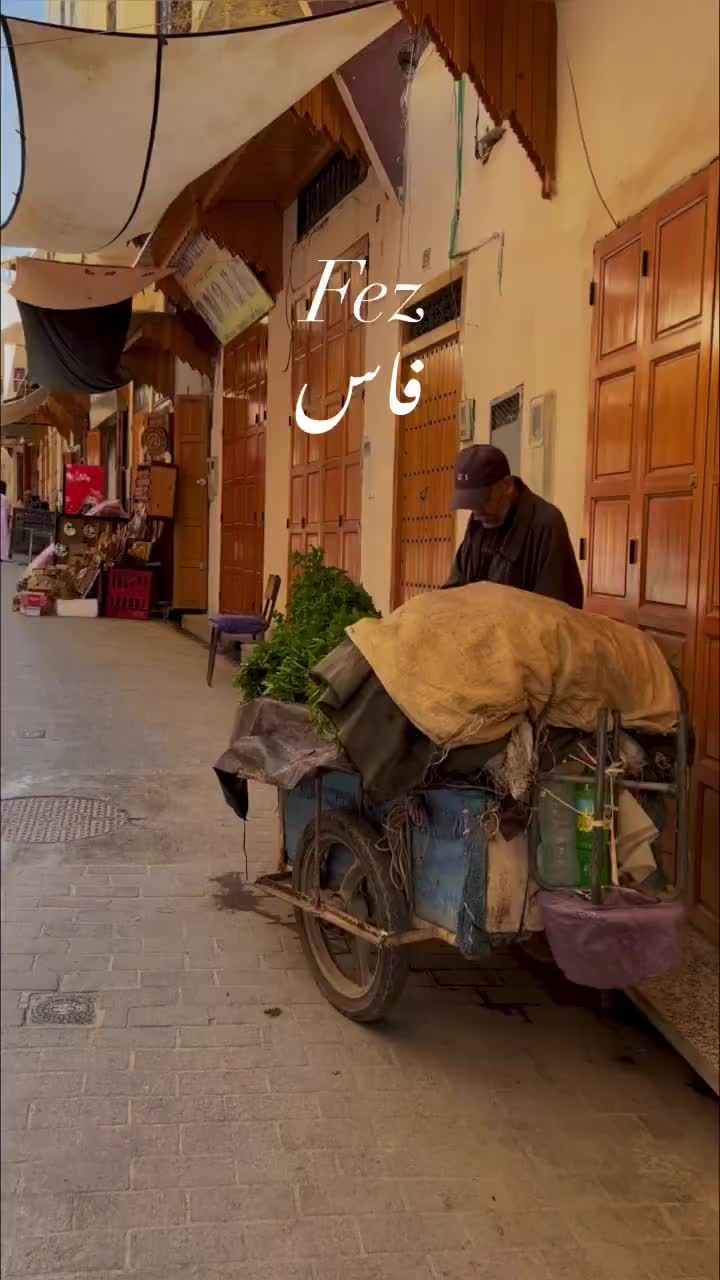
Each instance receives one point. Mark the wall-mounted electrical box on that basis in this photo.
(541, 431)
(466, 421)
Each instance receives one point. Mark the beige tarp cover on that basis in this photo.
(466, 665)
(72, 286)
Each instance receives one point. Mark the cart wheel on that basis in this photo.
(362, 981)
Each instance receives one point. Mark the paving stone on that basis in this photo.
(182, 1171)
(308, 1238)
(412, 1232)
(84, 1058)
(206, 1082)
(327, 1135)
(233, 1036)
(350, 1195)
(30, 980)
(242, 1204)
(52, 1084)
(89, 1173)
(99, 980)
(154, 1139)
(129, 1084)
(226, 1139)
(189, 1110)
(682, 1260)
(67, 1251)
(617, 1224)
(699, 1220)
(36, 1215)
(73, 1111)
(186, 1246)
(514, 1264)
(39, 1037)
(230, 1058)
(386, 1266)
(272, 1106)
(122, 1209)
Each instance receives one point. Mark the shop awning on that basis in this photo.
(70, 286)
(14, 411)
(31, 415)
(115, 126)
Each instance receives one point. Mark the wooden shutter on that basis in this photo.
(243, 472)
(190, 454)
(648, 470)
(326, 470)
(427, 446)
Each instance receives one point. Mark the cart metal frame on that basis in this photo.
(279, 884)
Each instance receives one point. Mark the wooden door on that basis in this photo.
(706, 780)
(243, 472)
(427, 446)
(326, 470)
(649, 403)
(190, 454)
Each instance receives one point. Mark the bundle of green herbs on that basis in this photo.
(322, 602)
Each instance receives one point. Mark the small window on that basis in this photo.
(439, 308)
(506, 426)
(337, 179)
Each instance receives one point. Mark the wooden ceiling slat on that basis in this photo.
(508, 48)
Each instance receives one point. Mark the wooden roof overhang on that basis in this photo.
(508, 49)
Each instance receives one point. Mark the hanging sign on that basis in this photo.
(221, 287)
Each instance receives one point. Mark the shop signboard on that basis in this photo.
(82, 482)
(221, 287)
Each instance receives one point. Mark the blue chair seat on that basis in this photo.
(246, 626)
(239, 624)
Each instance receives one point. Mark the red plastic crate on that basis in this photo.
(129, 594)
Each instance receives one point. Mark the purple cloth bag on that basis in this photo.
(627, 940)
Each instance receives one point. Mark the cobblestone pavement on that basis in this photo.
(219, 1121)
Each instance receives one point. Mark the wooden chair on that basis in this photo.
(243, 626)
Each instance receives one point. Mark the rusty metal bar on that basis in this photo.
(279, 885)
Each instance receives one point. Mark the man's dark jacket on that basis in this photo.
(531, 551)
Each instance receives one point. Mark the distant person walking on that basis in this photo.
(5, 516)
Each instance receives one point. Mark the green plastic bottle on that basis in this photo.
(584, 819)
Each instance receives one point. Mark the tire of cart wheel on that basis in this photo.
(390, 913)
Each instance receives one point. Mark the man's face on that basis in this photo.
(496, 504)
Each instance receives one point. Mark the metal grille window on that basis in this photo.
(439, 308)
(337, 179)
(505, 410)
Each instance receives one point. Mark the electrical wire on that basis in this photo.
(142, 28)
(581, 129)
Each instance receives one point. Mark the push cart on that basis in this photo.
(367, 880)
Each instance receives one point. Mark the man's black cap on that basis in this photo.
(477, 469)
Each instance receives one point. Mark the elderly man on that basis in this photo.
(513, 536)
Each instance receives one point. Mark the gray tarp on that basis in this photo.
(272, 742)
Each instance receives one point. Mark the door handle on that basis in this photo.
(632, 551)
(202, 482)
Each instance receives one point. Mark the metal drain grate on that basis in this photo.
(62, 1011)
(56, 819)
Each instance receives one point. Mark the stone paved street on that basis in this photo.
(220, 1121)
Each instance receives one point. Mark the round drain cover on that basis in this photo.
(62, 1011)
(56, 819)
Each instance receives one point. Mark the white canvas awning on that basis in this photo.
(14, 411)
(115, 126)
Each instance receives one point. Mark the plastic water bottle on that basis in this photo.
(557, 856)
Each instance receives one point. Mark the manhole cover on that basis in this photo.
(55, 819)
(62, 1011)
